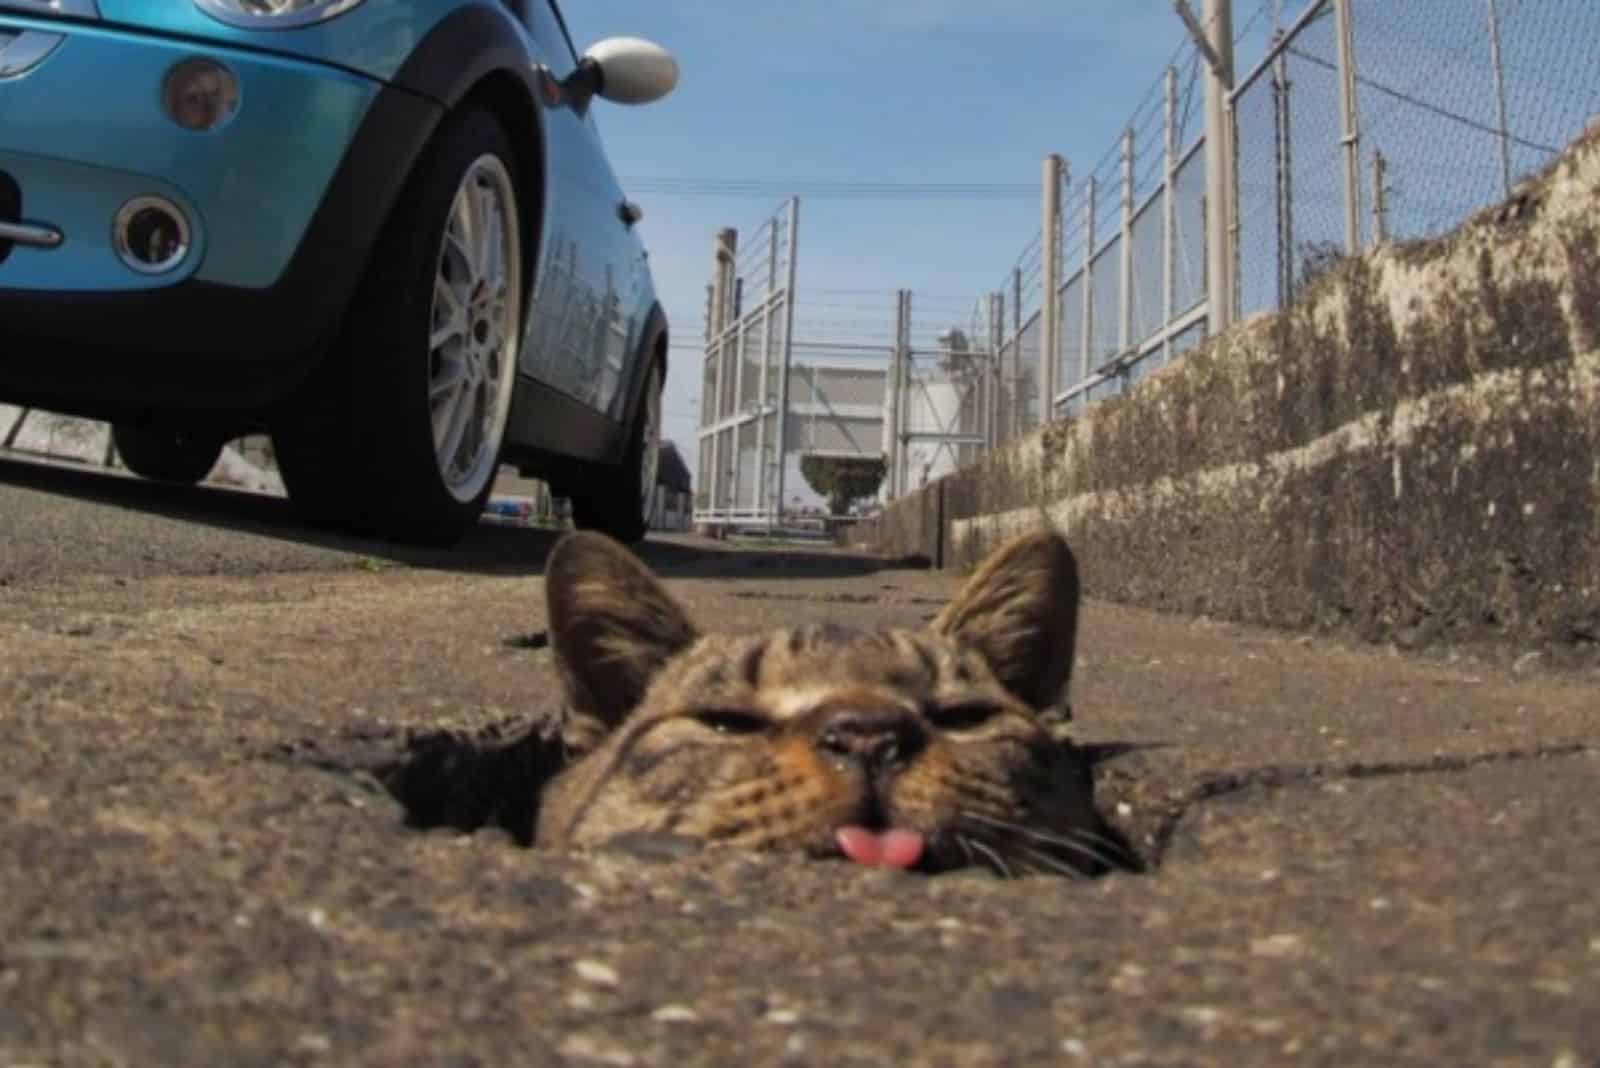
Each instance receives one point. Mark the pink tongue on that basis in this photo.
(891, 849)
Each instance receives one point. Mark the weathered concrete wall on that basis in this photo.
(1413, 452)
(913, 527)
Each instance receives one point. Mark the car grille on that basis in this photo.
(10, 207)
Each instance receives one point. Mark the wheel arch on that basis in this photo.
(653, 348)
(474, 57)
(504, 95)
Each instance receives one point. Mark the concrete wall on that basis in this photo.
(1411, 453)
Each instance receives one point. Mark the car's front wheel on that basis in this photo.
(166, 455)
(618, 501)
(400, 434)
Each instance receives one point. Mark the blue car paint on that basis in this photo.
(375, 38)
(77, 202)
(251, 185)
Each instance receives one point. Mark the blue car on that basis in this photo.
(383, 231)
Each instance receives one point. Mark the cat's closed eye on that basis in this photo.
(961, 717)
(732, 721)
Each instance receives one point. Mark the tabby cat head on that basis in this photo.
(904, 748)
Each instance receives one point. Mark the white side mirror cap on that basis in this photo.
(634, 71)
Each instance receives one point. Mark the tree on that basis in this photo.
(843, 479)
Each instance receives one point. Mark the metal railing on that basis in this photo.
(743, 438)
(1370, 122)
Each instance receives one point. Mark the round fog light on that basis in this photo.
(200, 94)
(151, 235)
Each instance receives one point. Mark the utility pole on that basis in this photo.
(1214, 38)
(786, 353)
(1050, 343)
(1350, 120)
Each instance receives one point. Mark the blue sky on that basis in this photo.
(928, 91)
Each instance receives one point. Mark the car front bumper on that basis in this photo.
(284, 201)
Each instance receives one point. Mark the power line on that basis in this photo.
(831, 189)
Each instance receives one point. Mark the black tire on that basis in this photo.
(356, 449)
(612, 501)
(166, 455)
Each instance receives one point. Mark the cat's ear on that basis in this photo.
(1020, 612)
(612, 625)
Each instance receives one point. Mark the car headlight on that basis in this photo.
(274, 14)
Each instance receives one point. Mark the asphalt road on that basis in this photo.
(1357, 857)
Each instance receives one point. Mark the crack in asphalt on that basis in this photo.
(835, 598)
(1288, 777)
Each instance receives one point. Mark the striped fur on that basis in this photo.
(717, 736)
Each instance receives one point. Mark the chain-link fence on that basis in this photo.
(1129, 256)
(1442, 107)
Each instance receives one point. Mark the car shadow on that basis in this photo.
(492, 548)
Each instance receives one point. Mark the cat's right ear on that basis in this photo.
(1019, 610)
(612, 624)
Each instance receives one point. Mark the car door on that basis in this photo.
(581, 329)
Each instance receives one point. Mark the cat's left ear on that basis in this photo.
(612, 625)
(1020, 612)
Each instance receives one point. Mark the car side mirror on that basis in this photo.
(627, 70)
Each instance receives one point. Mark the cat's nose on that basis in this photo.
(874, 739)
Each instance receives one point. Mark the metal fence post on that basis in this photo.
(1002, 414)
(722, 250)
(727, 242)
(908, 375)
(1015, 420)
(1285, 184)
(1050, 342)
(1380, 198)
(1351, 121)
(1500, 96)
(741, 341)
(1220, 172)
(1169, 218)
(763, 405)
(786, 353)
(1086, 348)
(891, 418)
(903, 429)
(1125, 337)
(997, 315)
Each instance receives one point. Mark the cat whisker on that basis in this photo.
(1052, 864)
(1119, 852)
(994, 858)
(966, 849)
(1082, 841)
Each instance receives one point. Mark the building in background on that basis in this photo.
(943, 404)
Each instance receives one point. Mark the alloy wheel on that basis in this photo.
(650, 446)
(477, 312)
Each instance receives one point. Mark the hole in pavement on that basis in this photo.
(534, 640)
(492, 779)
(470, 782)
